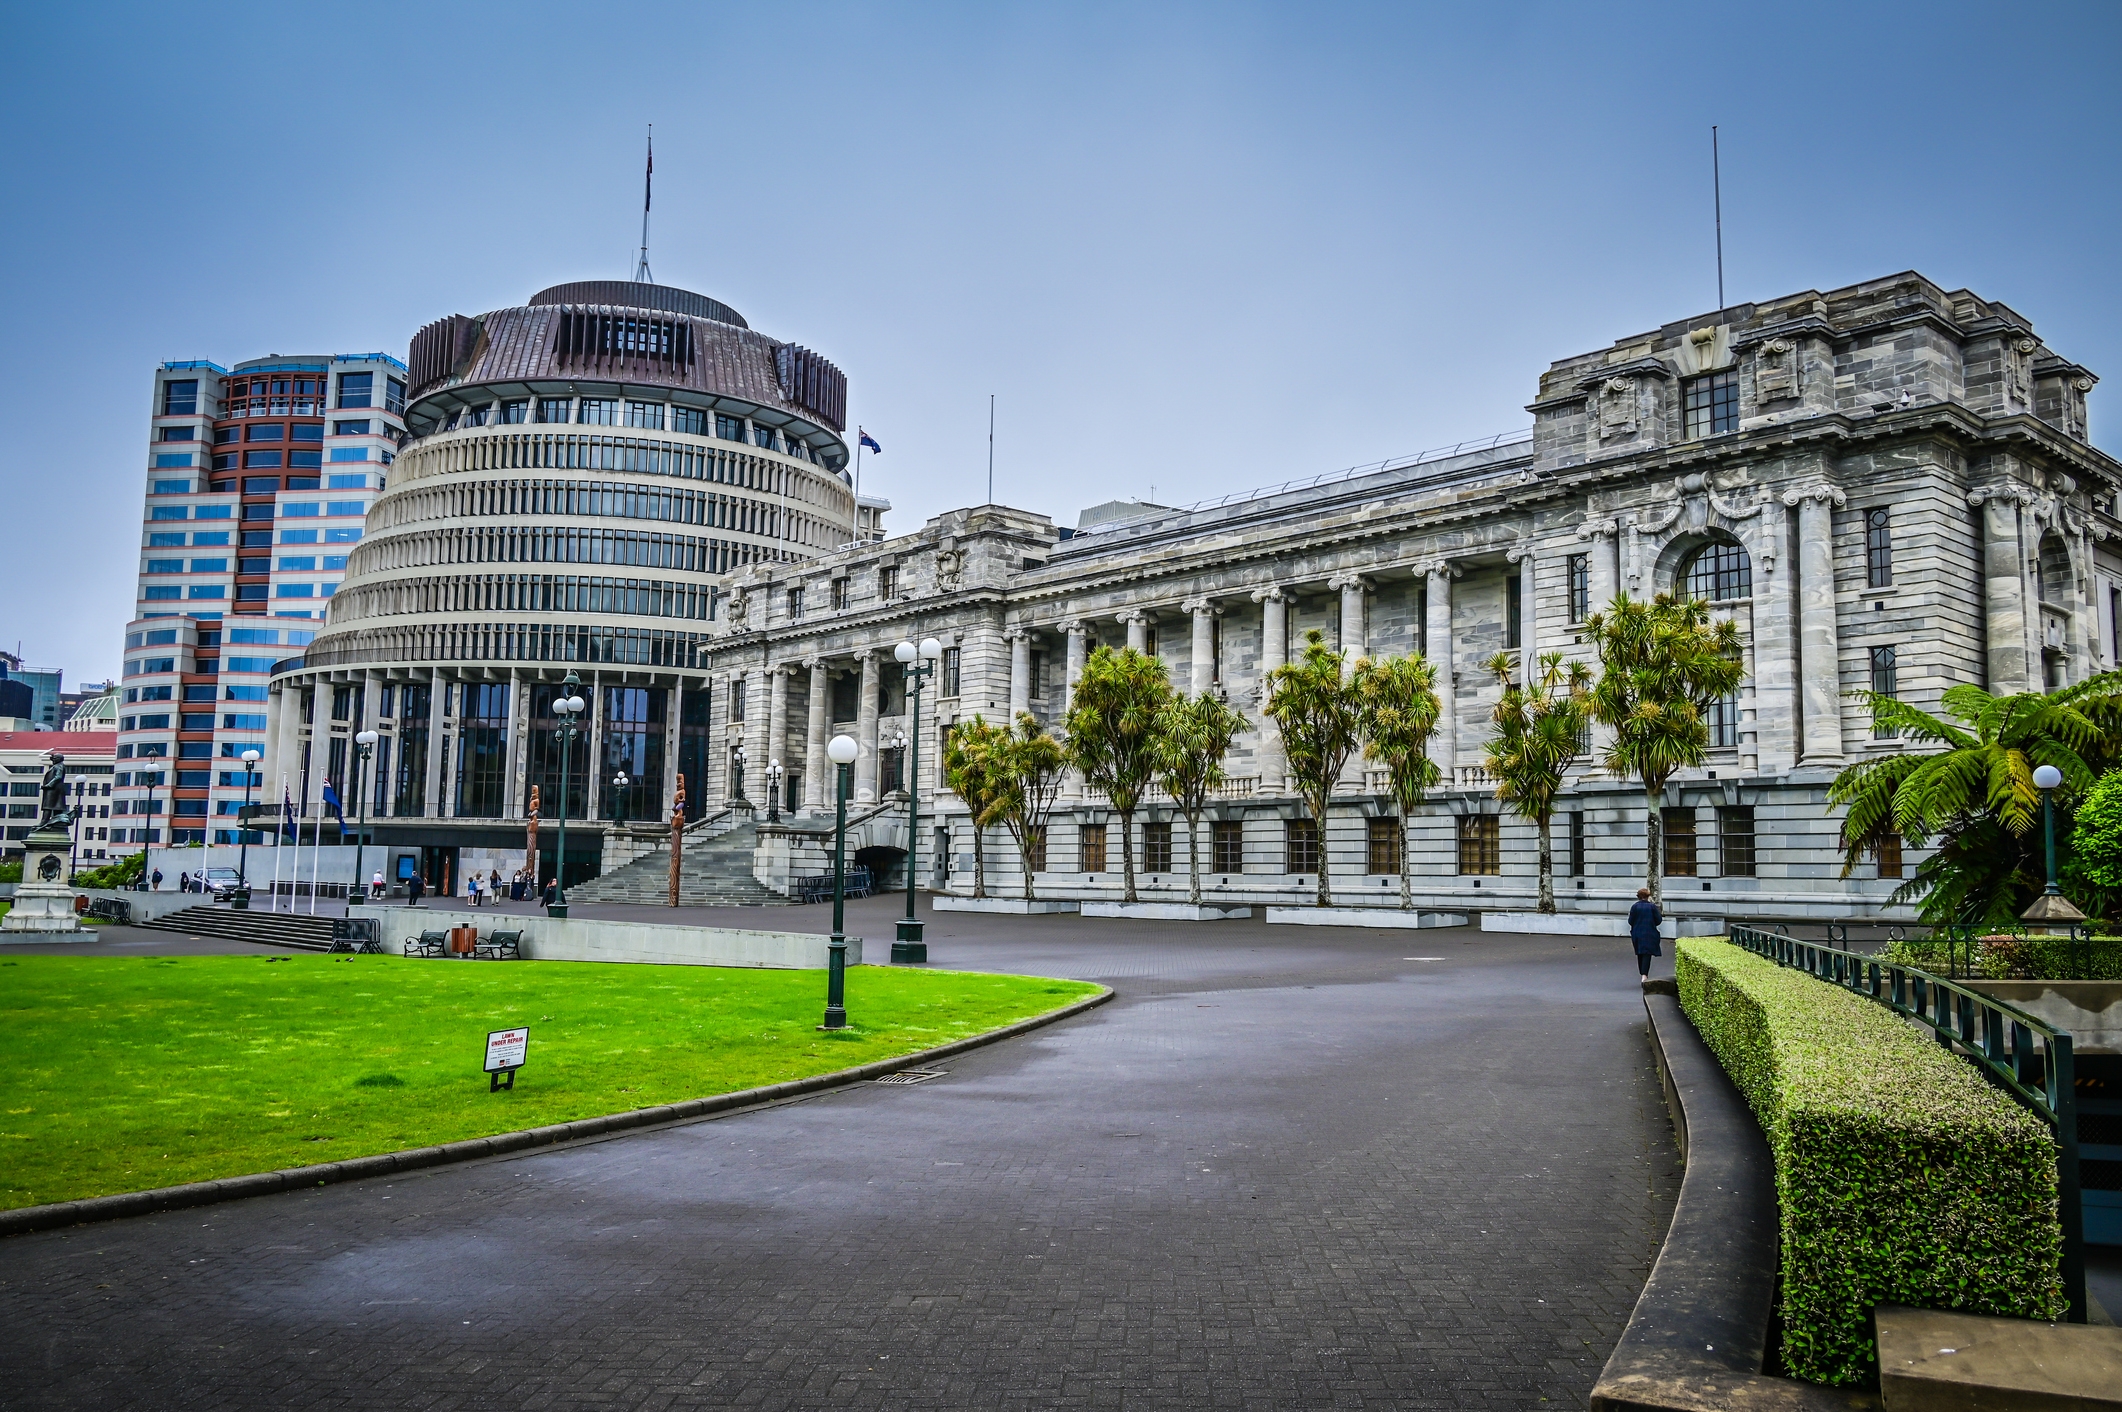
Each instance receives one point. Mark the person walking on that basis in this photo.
(375, 886)
(414, 886)
(472, 887)
(158, 880)
(1643, 920)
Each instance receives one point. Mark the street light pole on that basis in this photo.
(2051, 906)
(619, 784)
(568, 707)
(841, 751)
(243, 837)
(909, 948)
(364, 746)
(773, 791)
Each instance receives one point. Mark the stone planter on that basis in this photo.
(2090, 1010)
(1008, 906)
(1374, 917)
(1592, 924)
(1166, 911)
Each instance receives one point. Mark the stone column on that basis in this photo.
(593, 776)
(517, 802)
(1137, 621)
(434, 799)
(1078, 634)
(1437, 624)
(1351, 588)
(1528, 615)
(1820, 693)
(1020, 672)
(1274, 652)
(815, 765)
(2004, 590)
(1775, 665)
(1202, 674)
(866, 730)
(1601, 539)
(733, 689)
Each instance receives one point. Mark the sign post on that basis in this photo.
(504, 1055)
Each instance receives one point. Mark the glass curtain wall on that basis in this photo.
(482, 752)
(693, 717)
(542, 757)
(634, 726)
(411, 792)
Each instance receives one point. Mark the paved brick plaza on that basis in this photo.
(1285, 1168)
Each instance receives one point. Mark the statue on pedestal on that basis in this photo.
(53, 812)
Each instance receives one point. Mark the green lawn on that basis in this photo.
(118, 1074)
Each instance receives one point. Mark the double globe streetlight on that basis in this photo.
(841, 751)
(569, 709)
(364, 746)
(909, 947)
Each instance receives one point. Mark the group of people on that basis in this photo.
(485, 889)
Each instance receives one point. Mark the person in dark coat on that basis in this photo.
(1643, 920)
(414, 886)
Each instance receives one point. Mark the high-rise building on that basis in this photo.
(45, 709)
(258, 481)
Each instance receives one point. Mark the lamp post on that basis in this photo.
(2051, 906)
(909, 948)
(569, 708)
(619, 784)
(364, 746)
(736, 760)
(841, 751)
(773, 791)
(243, 838)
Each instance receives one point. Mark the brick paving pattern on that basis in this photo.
(1280, 1171)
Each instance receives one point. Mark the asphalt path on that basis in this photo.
(1287, 1167)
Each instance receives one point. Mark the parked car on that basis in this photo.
(222, 883)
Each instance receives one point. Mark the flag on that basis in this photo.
(287, 815)
(331, 802)
(869, 441)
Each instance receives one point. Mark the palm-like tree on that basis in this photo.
(1662, 665)
(1396, 713)
(1539, 729)
(1111, 727)
(1316, 712)
(973, 768)
(1192, 738)
(1030, 762)
(1975, 793)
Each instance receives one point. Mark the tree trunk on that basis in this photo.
(1127, 857)
(1193, 862)
(1407, 873)
(979, 865)
(1547, 863)
(1326, 889)
(1024, 853)
(1654, 843)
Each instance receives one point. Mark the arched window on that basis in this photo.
(1719, 571)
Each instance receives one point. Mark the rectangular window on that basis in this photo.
(645, 414)
(306, 460)
(225, 462)
(261, 460)
(272, 432)
(1156, 848)
(1227, 846)
(1381, 839)
(165, 540)
(200, 721)
(737, 695)
(1878, 549)
(168, 460)
(554, 409)
(1887, 854)
(1735, 840)
(356, 481)
(1514, 610)
(158, 592)
(165, 566)
(209, 566)
(180, 398)
(207, 590)
(261, 485)
(346, 507)
(1300, 846)
(690, 420)
(341, 536)
(1724, 722)
(306, 431)
(349, 453)
(764, 438)
(356, 389)
(729, 428)
(1480, 845)
(334, 561)
(295, 590)
(598, 412)
(1090, 848)
(166, 512)
(888, 582)
(172, 487)
(841, 594)
(1678, 825)
(243, 693)
(393, 395)
(206, 538)
(1576, 844)
(361, 428)
(214, 512)
(242, 723)
(293, 536)
(1712, 404)
(224, 435)
(950, 671)
(1885, 681)
(301, 508)
(482, 755)
(795, 603)
(179, 434)
(250, 592)
(299, 563)
(515, 413)
(1580, 587)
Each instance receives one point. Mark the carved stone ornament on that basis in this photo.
(1597, 529)
(1346, 580)
(950, 564)
(1271, 594)
(1797, 495)
(1618, 412)
(1201, 607)
(1775, 372)
(1436, 568)
(2082, 384)
(740, 611)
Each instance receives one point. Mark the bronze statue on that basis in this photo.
(53, 810)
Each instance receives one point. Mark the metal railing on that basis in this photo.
(2020, 1053)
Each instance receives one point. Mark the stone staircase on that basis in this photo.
(295, 931)
(714, 872)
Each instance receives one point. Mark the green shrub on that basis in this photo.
(11, 871)
(123, 873)
(1902, 1177)
(2014, 958)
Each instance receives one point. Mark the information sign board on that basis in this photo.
(504, 1049)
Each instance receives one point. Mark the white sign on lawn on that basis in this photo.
(504, 1049)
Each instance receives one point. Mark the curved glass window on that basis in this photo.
(1719, 571)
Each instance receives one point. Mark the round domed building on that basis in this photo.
(582, 475)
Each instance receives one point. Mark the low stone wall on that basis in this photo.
(1006, 906)
(588, 939)
(2090, 1010)
(1362, 917)
(1593, 924)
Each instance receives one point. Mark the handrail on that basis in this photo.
(2019, 1052)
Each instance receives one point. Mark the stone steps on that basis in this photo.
(714, 872)
(298, 933)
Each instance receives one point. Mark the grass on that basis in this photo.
(120, 1074)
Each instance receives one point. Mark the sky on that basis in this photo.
(1187, 249)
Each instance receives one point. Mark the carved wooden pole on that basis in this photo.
(677, 836)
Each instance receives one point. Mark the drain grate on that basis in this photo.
(911, 1076)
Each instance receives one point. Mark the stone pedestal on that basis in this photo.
(44, 900)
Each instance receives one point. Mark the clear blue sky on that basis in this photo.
(1195, 248)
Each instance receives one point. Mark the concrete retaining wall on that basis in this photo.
(585, 939)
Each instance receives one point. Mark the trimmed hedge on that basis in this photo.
(2015, 958)
(1902, 1176)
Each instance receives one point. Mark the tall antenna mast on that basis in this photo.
(1716, 186)
(990, 448)
(648, 178)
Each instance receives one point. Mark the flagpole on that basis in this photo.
(278, 834)
(316, 855)
(641, 274)
(990, 448)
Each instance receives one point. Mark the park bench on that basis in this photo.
(500, 946)
(435, 943)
